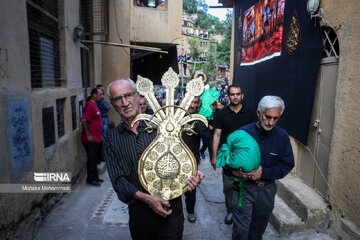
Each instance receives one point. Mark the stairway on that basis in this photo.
(297, 207)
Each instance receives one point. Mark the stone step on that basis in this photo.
(303, 200)
(284, 219)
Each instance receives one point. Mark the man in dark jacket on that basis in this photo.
(277, 160)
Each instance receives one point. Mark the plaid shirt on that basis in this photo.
(104, 108)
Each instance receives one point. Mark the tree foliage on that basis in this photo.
(194, 6)
(203, 20)
(223, 49)
(210, 22)
(210, 65)
(194, 51)
(219, 53)
(194, 48)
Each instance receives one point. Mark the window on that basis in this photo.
(73, 112)
(60, 116)
(47, 60)
(43, 27)
(330, 42)
(158, 4)
(48, 126)
(94, 17)
(85, 66)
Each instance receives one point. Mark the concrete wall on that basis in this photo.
(116, 60)
(183, 48)
(139, 24)
(14, 53)
(217, 38)
(67, 154)
(14, 81)
(155, 25)
(344, 164)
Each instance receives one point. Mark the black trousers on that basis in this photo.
(190, 200)
(93, 152)
(145, 224)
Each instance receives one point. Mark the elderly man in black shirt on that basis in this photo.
(226, 121)
(150, 217)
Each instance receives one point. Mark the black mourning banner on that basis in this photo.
(278, 49)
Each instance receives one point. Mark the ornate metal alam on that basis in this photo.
(167, 163)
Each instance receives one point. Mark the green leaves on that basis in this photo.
(194, 6)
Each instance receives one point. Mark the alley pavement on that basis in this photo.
(96, 213)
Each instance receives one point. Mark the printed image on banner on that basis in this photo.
(262, 31)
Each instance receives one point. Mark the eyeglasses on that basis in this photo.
(127, 96)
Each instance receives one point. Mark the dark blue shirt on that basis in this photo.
(104, 108)
(277, 158)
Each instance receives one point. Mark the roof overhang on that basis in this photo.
(225, 4)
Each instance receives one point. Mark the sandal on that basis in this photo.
(192, 217)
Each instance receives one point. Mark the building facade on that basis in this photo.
(329, 163)
(45, 76)
(189, 31)
(129, 23)
(51, 56)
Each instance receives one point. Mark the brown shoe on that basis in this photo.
(192, 217)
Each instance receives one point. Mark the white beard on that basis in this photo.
(264, 126)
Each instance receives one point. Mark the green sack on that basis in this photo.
(240, 151)
(208, 97)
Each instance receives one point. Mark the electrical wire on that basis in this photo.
(327, 183)
(117, 28)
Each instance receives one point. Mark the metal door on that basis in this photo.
(314, 165)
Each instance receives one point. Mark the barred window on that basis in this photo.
(94, 19)
(43, 27)
(60, 116)
(73, 112)
(330, 42)
(159, 4)
(85, 66)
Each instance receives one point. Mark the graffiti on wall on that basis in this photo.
(19, 134)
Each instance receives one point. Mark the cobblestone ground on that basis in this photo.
(96, 213)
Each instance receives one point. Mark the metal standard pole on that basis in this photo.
(182, 80)
(216, 73)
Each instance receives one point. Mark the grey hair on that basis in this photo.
(133, 85)
(269, 102)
